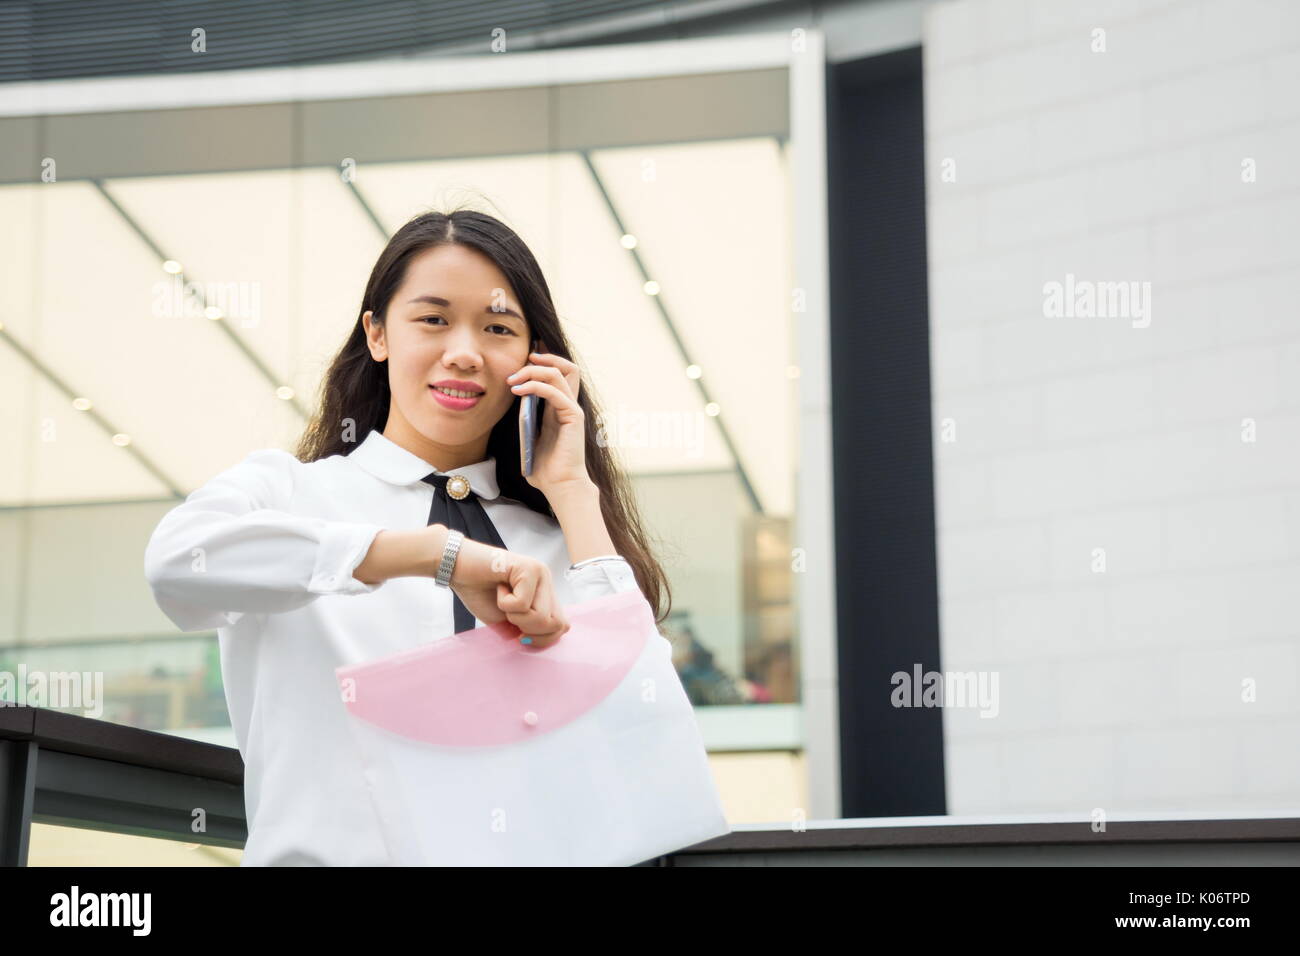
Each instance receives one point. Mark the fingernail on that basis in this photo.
(525, 640)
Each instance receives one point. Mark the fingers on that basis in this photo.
(522, 581)
(566, 366)
(526, 596)
(552, 370)
(558, 397)
(543, 626)
(540, 639)
(547, 607)
(544, 621)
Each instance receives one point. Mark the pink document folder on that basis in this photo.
(479, 750)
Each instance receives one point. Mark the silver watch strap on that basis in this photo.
(443, 577)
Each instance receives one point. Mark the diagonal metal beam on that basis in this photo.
(225, 326)
(367, 209)
(671, 326)
(49, 375)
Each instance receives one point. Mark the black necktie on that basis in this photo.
(467, 516)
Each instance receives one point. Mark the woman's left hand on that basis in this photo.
(559, 459)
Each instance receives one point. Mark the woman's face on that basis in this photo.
(441, 328)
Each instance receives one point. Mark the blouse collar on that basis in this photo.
(389, 461)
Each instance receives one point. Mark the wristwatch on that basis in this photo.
(443, 577)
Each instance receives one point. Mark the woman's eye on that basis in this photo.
(505, 329)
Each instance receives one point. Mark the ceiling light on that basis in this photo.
(121, 440)
(651, 288)
(172, 266)
(81, 404)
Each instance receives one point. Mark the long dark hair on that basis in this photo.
(355, 397)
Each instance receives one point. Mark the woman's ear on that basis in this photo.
(374, 336)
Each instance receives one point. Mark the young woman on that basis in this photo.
(307, 562)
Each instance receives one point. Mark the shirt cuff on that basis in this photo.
(342, 547)
(601, 557)
(598, 577)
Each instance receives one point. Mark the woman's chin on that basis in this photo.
(454, 428)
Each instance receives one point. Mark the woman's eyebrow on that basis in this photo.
(437, 300)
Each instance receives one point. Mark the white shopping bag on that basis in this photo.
(479, 750)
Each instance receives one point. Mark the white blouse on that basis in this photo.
(264, 553)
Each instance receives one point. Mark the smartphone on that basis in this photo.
(530, 426)
(530, 422)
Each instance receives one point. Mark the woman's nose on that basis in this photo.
(461, 351)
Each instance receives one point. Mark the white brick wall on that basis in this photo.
(1119, 688)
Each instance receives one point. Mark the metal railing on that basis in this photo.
(80, 772)
(74, 771)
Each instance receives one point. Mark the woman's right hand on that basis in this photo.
(496, 584)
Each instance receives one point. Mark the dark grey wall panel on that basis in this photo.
(891, 759)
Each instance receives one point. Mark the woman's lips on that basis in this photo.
(452, 402)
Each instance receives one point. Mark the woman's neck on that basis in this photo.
(444, 458)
